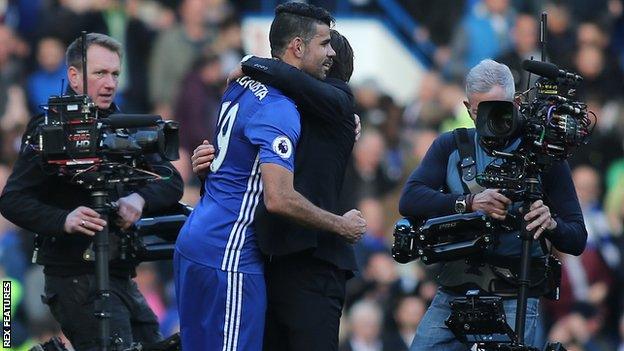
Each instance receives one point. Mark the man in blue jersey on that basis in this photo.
(219, 269)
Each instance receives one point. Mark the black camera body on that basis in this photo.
(444, 238)
(76, 142)
(153, 238)
(548, 125)
(479, 319)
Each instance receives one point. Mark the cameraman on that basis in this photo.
(560, 222)
(41, 201)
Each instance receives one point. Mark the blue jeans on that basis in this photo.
(432, 333)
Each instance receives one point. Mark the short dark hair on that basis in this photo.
(295, 19)
(342, 67)
(73, 55)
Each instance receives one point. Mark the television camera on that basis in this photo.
(92, 151)
(550, 126)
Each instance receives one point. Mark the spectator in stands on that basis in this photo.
(12, 259)
(229, 44)
(407, 316)
(13, 105)
(582, 327)
(48, 79)
(599, 78)
(524, 35)
(561, 37)
(483, 33)
(366, 174)
(424, 110)
(587, 184)
(174, 52)
(374, 239)
(199, 101)
(584, 278)
(365, 319)
(379, 282)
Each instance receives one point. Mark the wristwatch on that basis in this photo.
(460, 204)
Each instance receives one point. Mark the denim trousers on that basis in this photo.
(433, 334)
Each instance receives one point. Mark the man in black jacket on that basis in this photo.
(57, 211)
(306, 269)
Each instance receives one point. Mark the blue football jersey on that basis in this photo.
(257, 124)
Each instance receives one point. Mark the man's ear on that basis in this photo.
(74, 76)
(298, 46)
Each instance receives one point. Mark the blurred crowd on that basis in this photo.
(177, 56)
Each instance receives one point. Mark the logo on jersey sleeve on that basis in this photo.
(282, 146)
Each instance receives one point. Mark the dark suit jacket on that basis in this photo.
(323, 151)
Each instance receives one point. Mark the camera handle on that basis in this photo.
(101, 250)
(533, 193)
(99, 202)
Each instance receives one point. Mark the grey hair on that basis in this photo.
(487, 74)
(73, 55)
(364, 307)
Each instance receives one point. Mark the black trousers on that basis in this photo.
(305, 299)
(71, 301)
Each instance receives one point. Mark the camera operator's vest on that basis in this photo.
(496, 271)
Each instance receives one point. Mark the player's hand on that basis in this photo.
(83, 220)
(492, 203)
(358, 126)
(539, 217)
(129, 210)
(202, 158)
(354, 226)
(235, 74)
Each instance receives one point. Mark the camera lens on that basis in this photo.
(501, 124)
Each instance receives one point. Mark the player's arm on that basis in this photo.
(321, 99)
(275, 130)
(280, 198)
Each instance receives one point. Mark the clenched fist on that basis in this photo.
(353, 226)
(202, 158)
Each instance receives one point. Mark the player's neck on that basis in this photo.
(291, 59)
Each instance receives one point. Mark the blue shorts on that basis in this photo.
(219, 310)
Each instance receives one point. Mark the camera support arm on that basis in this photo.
(533, 193)
(99, 202)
